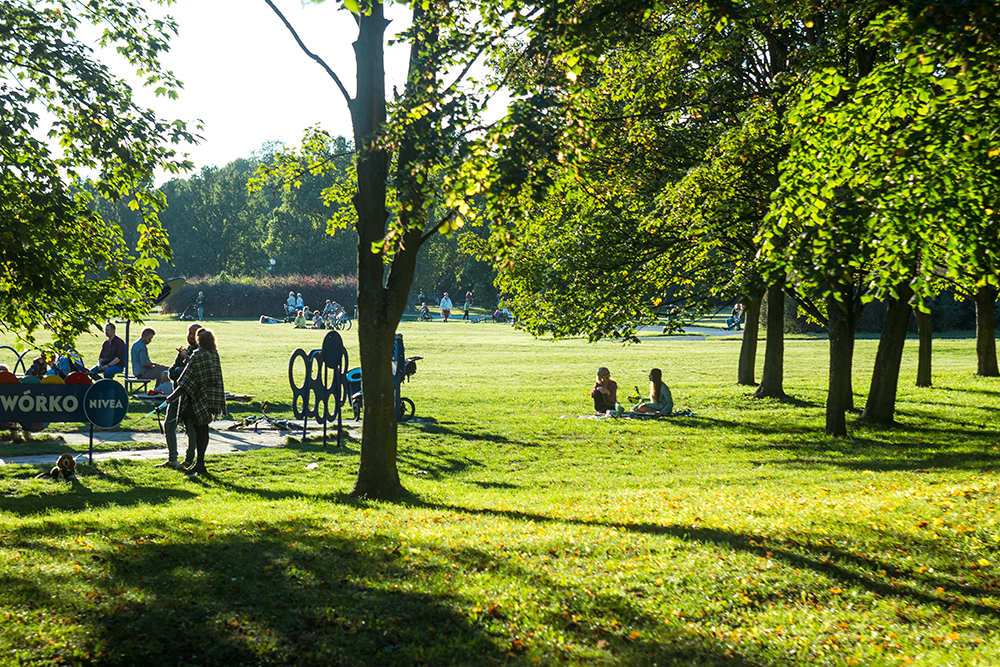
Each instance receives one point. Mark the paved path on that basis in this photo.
(220, 441)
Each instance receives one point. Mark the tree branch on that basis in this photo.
(322, 63)
(451, 214)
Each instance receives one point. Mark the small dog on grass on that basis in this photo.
(65, 469)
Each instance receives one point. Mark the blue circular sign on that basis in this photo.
(105, 404)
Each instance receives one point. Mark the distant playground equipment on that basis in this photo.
(324, 380)
(402, 368)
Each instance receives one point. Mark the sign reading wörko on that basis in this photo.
(102, 404)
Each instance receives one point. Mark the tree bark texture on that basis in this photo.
(377, 473)
(839, 395)
(748, 349)
(986, 343)
(880, 407)
(772, 379)
(924, 355)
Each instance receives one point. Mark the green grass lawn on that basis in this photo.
(740, 536)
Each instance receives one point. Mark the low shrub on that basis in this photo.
(239, 297)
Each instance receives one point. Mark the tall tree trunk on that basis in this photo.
(881, 404)
(377, 319)
(748, 349)
(924, 356)
(986, 344)
(772, 380)
(839, 398)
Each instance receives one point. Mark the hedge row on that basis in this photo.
(228, 297)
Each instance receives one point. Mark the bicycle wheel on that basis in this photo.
(346, 325)
(406, 408)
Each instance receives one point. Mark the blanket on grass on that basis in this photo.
(639, 415)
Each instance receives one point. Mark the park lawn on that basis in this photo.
(741, 535)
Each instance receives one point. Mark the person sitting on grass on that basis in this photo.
(605, 392)
(317, 321)
(660, 400)
(300, 320)
(735, 319)
(164, 385)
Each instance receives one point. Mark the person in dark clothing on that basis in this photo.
(203, 396)
(170, 421)
(111, 361)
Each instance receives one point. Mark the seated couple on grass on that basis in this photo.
(605, 395)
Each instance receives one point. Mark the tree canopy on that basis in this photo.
(70, 131)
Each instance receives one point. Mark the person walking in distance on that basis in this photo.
(446, 306)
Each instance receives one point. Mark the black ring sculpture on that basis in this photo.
(324, 379)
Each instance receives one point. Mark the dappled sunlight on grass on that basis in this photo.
(741, 535)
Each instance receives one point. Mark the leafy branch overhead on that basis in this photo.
(64, 267)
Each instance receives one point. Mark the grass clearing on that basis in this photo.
(739, 536)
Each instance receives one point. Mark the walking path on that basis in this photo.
(220, 441)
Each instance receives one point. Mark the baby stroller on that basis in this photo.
(405, 409)
(190, 313)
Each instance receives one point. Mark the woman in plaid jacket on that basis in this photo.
(202, 394)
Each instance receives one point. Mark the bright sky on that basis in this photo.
(249, 82)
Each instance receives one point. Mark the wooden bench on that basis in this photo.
(131, 382)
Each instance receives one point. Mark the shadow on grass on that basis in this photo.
(494, 485)
(787, 399)
(78, 496)
(877, 576)
(862, 453)
(431, 426)
(279, 593)
(713, 423)
(294, 592)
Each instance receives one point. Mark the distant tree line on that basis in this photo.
(221, 232)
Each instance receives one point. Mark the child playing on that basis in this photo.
(164, 386)
(660, 400)
(605, 392)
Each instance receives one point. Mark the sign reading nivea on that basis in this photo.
(103, 403)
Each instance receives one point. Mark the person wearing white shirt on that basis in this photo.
(446, 307)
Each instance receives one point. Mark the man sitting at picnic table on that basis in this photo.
(112, 358)
(142, 367)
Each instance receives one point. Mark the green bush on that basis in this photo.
(237, 297)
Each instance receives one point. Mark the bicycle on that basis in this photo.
(255, 420)
(338, 322)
